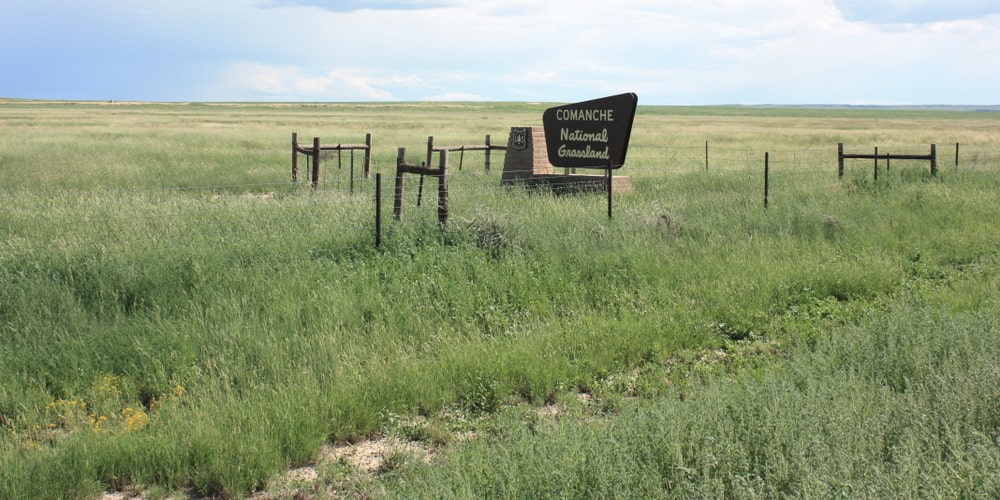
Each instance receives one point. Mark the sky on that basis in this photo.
(676, 52)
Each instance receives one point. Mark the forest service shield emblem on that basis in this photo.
(519, 138)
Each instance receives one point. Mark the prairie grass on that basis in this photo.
(176, 316)
(892, 398)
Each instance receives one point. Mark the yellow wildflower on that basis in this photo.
(98, 422)
(109, 385)
(134, 419)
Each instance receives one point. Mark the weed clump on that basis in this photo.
(493, 236)
(665, 221)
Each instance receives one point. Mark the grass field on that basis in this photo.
(178, 319)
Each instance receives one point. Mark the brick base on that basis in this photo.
(527, 162)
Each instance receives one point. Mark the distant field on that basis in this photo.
(178, 318)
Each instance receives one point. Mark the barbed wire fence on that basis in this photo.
(343, 205)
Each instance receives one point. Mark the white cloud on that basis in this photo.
(290, 83)
(458, 96)
(354, 5)
(682, 51)
(915, 11)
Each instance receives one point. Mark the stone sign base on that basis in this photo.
(527, 163)
(526, 155)
(565, 183)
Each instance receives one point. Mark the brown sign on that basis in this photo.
(590, 134)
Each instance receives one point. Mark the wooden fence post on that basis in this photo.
(876, 162)
(368, 155)
(489, 150)
(840, 160)
(315, 159)
(295, 157)
(443, 189)
(378, 209)
(934, 159)
(430, 151)
(397, 203)
(767, 176)
(428, 163)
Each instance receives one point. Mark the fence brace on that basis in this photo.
(841, 156)
(487, 146)
(313, 153)
(441, 172)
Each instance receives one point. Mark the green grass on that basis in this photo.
(175, 316)
(895, 398)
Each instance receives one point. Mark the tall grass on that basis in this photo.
(897, 400)
(175, 314)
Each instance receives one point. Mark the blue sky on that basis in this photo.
(674, 52)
